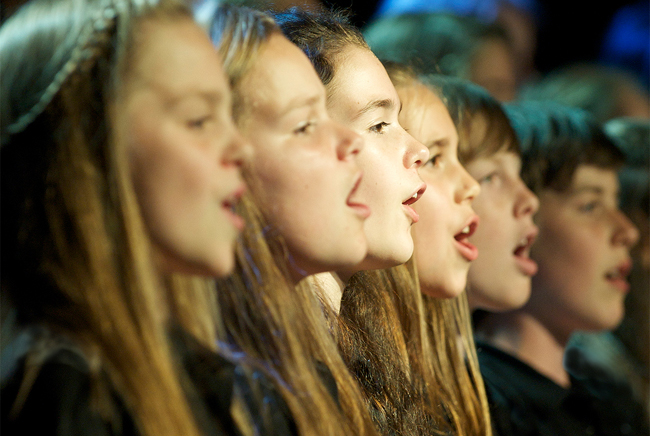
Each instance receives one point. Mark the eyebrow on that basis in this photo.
(442, 142)
(211, 97)
(384, 103)
(300, 102)
(590, 189)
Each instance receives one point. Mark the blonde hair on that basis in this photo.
(453, 365)
(279, 327)
(385, 335)
(76, 256)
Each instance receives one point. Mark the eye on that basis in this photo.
(198, 123)
(589, 207)
(489, 178)
(434, 160)
(379, 128)
(304, 128)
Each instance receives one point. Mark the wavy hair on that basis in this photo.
(281, 327)
(413, 372)
(76, 256)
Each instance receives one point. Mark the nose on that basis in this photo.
(350, 143)
(625, 232)
(467, 187)
(527, 203)
(416, 153)
(238, 151)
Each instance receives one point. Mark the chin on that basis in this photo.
(440, 291)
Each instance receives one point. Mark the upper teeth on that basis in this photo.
(465, 230)
(415, 195)
(523, 242)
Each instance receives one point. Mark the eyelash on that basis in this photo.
(304, 128)
(488, 178)
(434, 159)
(589, 207)
(378, 128)
(198, 123)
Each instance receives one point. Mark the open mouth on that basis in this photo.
(467, 250)
(522, 251)
(618, 276)
(412, 199)
(415, 197)
(230, 205)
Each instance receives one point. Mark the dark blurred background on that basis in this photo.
(567, 31)
(613, 32)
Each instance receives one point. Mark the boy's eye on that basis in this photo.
(589, 207)
(489, 178)
(379, 128)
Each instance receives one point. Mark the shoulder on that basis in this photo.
(49, 392)
(227, 383)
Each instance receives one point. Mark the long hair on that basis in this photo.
(278, 325)
(483, 129)
(410, 367)
(76, 256)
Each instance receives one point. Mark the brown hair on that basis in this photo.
(279, 326)
(76, 256)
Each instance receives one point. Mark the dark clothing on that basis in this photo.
(59, 401)
(523, 402)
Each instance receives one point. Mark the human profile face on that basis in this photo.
(304, 170)
(184, 151)
(443, 252)
(499, 279)
(583, 255)
(362, 97)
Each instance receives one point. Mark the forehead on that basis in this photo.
(427, 116)
(360, 78)
(176, 56)
(281, 77)
(590, 177)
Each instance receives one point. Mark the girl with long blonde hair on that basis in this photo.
(120, 165)
(410, 378)
(304, 215)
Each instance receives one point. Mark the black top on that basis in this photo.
(523, 402)
(59, 400)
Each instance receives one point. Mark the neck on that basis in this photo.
(525, 337)
(329, 286)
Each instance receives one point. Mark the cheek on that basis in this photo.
(566, 258)
(381, 171)
(432, 231)
(495, 230)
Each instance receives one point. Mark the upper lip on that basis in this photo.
(232, 200)
(526, 241)
(468, 229)
(415, 196)
(622, 269)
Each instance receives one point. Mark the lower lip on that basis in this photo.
(526, 265)
(235, 219)
(467, 250)
(361, 210)
(620, 283)
(412, 213)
